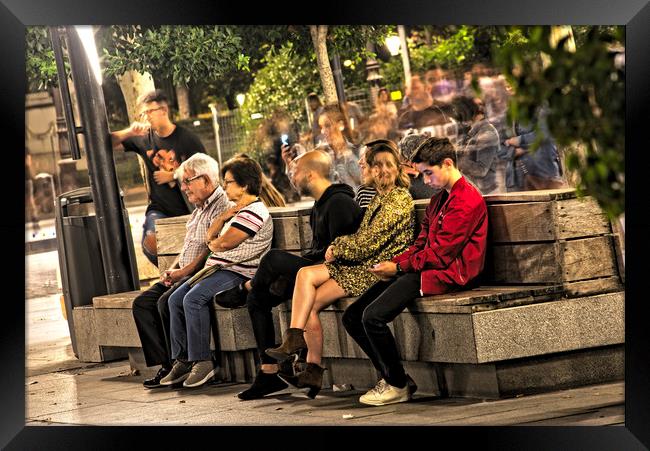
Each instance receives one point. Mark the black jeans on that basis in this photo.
(276, 265)
(367, 318)
(151, 314)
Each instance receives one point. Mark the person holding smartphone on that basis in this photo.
(448, 254)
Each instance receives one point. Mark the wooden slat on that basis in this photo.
(619, 246)
(286, 233)
(170, 237)
(580, 218)
(588, 258)
(526, 263)
(528, 221)
(531, 196)
(165, 261)
(593, 286)
(302, 209)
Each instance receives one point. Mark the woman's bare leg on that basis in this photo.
(326, 295)
(308, 280)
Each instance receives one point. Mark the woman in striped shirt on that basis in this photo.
(237, 238)
(366, 191)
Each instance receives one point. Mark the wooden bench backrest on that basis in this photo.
(535, 237)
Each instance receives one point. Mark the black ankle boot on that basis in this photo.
(312, 378)
(264, 384)
(293, 343)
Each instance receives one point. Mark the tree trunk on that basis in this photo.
(183, 98)
(133, 85)
(319, 38)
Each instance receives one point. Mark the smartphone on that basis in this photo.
(285, 139)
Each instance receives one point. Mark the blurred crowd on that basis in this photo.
(496, 155)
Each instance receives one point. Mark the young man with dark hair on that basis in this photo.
(447, 255)
(163, 146)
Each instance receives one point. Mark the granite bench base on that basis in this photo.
(107, 332)
(489, 342)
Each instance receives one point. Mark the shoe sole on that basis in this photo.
(207, 377)
(152, 386)
(383, 403)
(175, 381)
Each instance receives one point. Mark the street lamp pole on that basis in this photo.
(374, 77)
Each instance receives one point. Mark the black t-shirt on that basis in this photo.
(165, 154)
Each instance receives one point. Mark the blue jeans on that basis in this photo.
(190, 314)
(149, 227)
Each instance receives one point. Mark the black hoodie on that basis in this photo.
(335, 214)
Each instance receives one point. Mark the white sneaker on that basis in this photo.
(383, 393)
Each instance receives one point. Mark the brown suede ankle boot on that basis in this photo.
(312, 378)
(293, 343)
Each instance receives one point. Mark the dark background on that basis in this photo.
(16, 14)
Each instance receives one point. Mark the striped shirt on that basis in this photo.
(256, 221)
(364, 195)
(198, 224)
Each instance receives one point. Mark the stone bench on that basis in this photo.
(549, 312)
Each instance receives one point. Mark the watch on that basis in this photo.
(400, 271)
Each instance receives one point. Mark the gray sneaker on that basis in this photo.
(202, 371)
(180, 371)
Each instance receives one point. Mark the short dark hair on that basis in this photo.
(157, 95)
(433, 151)
(246, 172)
(465, 108)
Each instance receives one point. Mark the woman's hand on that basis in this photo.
(329, 254)
(287, 154)
(219, 221)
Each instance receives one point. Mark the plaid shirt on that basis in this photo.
(198, 224)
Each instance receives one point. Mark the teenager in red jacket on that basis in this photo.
(447, 255)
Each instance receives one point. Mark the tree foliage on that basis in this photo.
(282, 84)
(585, 91)
(180, 53)
(40, 64)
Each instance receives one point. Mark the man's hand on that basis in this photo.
(139, 128)
(384, 270)
(162, 177)
(514, 142)
(171, 276)
(329, 254)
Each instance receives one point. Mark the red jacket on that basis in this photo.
(450, 250)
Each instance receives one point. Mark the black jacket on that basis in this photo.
(335, 214)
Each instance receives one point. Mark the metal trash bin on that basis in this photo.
(80, 256)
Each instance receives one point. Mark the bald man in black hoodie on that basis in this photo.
(335, 213)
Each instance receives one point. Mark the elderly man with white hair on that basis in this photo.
(202, 184)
